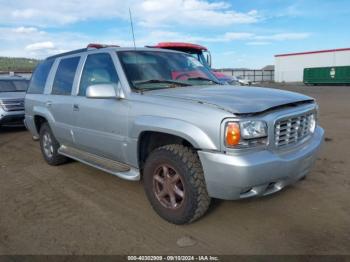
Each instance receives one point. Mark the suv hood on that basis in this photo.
(11, 95)
(235, 99)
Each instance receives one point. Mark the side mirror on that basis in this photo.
(105, 91)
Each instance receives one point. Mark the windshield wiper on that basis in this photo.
(204, 79)
(158, 81)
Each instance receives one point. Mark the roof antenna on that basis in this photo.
(132, 28)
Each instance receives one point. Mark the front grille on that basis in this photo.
(293, 129)
(12, 104)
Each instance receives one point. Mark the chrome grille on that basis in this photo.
(12, 104)
(291, 130)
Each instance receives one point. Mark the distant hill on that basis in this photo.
(17, 64)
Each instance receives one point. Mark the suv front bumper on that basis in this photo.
(12, 117)
(258, 173)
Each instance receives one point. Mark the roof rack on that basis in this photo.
(89, 47)
(180, 46)
(98, 46)
(68, 53)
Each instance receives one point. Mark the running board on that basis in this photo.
(110, 166)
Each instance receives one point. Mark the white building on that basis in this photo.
(290, 67)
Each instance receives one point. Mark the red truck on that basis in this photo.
(198, 51)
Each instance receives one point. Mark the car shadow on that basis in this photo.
(11, 129)
(214, 204)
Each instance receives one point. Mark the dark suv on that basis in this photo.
(12, 92)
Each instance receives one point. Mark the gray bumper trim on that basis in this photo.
(258, 173)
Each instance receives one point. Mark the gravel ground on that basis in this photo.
(75, 209)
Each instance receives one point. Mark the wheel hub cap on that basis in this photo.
(47, 144)
(168, 187)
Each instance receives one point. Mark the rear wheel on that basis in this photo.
(174, 184)
(49, 146)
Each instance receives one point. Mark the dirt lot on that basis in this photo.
(75, 209)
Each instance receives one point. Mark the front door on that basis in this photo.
(101, 124)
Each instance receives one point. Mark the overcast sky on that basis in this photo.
(239, 33)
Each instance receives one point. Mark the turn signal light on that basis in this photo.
(232, 134)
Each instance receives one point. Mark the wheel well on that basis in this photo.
(149, 140)
(39, 120)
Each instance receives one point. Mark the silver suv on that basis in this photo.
(160, 115)
(12, 92)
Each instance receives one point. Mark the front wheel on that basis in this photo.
(174, 184)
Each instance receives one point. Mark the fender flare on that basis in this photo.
(193, 134)
(45, 113)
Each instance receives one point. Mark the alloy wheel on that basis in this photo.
(168, 187)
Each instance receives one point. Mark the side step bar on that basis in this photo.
(110, 166)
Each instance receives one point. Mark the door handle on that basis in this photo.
(48, 103)
(75, 107)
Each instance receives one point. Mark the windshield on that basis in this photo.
(203, 59)
(13, 85)
(156, 69)
(199, 55)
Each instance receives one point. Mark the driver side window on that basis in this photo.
(98, 69)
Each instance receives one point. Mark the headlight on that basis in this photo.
(245, 133)
(312, 123)
(253, 129)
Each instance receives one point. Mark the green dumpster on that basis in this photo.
(337, 75)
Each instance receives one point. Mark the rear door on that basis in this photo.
(60, 102)
(36, 97)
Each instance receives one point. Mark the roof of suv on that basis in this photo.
(83, 50)
(180, 46)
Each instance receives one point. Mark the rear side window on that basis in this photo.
(98, 69)
(64, 78)
(37, 83)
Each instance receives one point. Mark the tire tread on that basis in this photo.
(190, 158)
